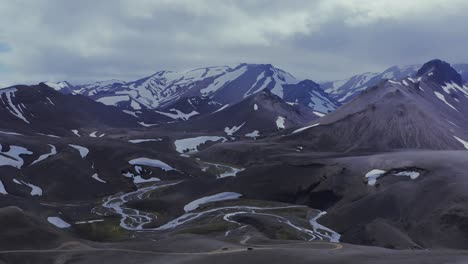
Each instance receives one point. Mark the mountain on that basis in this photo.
(63, 86)
(194, 106)
(92, 88)
(345, 90)
(428, 111)
(258, 115)
(41, 109)
(462, 69)
(225, 85)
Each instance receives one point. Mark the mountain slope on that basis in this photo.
(255, 116)
(428, 112)
(41, 109)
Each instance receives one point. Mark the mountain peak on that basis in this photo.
(440, 71)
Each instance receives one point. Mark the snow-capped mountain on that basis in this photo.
(89, 89)
(63, 86)
(428, 110)
(345, 90)
(223, 84)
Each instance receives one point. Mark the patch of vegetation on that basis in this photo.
(108, 230)
(208, 228)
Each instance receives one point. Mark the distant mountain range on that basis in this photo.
(344, 90)
(222, 85)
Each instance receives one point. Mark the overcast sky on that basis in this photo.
(87, 40)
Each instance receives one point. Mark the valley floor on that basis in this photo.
(209, 250)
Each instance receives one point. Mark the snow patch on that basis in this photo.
(254, 134)
(12, 108)
(372, 176)
(412, 174)
(83, 151)
(48, 135)
(113, 100)
(96, 177)
(12, 157)
(151, 163)
(222, 108)
(465, 143)
(442, 98)
(147, 125)
(52, 152)
(178, 114)
(319, 114)
(89, 221)
(58, 222)
(136, 141)
(223, 80)
(76, 132)
(232, 130)
(192, 144)
(304, 128)
(35, 190)
(11, 133)
(2, 188)
(280, 122)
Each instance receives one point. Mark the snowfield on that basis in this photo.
(192, 144)
(209, 199)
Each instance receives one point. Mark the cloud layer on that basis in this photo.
(86, 40)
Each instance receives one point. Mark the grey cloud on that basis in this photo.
(82, 41)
